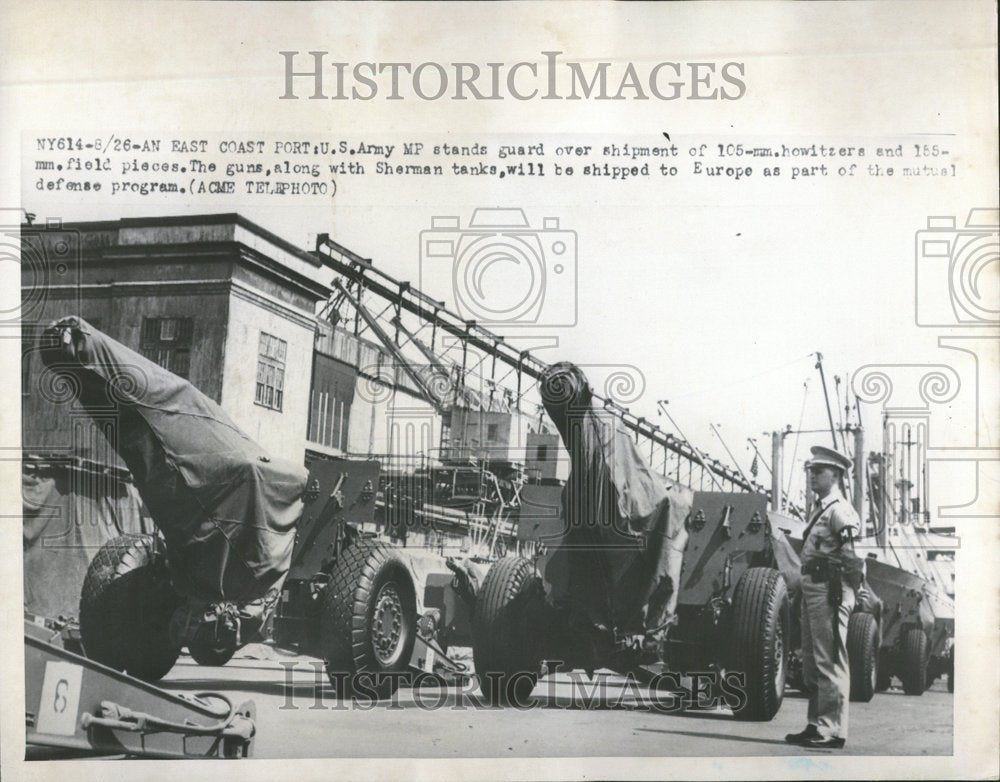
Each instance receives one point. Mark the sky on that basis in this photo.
(719, 291)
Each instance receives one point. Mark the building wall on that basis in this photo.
(207, 305)
(91, 271)
(367, 430)
(479, 434)
(505, 436)
(230, 278)
(524, 429)
(52, 424)
(282, 433)
(543, 452)
(386, 421)
(331, 399)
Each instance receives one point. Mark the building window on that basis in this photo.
(167, 341)
(542, 453)
(270, 371)
(331, 396)
(492, 432)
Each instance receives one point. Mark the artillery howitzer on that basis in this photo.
(241, 536)
(639, 574)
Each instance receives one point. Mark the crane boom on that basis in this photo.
(404, 296)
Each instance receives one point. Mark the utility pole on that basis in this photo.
(826, 397)
(843, 429)
(908, 443)
(859, 471)
(777, 495)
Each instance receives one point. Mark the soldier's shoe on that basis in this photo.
(811, 732)
(828, 742)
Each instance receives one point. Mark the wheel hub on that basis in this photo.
(387, 624)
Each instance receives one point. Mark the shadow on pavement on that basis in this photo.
(304, 694)
(230, 685)
(723, 736)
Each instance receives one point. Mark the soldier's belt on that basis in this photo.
(821, 570)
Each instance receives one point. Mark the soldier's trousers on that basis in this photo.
(825, 673)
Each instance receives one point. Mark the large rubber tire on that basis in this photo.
(760, 628)
(369, 621)
(502, 642)
(862, 654)
(913, 661)
(125, 608)
(205, 651)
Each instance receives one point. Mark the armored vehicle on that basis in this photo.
(917, 629)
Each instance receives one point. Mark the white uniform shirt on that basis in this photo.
(835, 515)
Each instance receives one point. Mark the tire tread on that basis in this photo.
(125, 607)
(498, 640)
(913, 661)
(345, 635)
(760, 599)
(862, 655)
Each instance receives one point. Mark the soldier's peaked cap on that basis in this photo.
(828, 457)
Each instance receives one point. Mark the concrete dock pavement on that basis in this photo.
(299, 716)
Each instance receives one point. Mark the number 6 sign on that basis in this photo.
(60, 701)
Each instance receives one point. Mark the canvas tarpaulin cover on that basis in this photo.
(69, 513)
(618, 556)
(786, 559)
(227, 511)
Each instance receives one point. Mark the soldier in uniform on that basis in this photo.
(829, 568)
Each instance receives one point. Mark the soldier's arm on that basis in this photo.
(845, 526)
